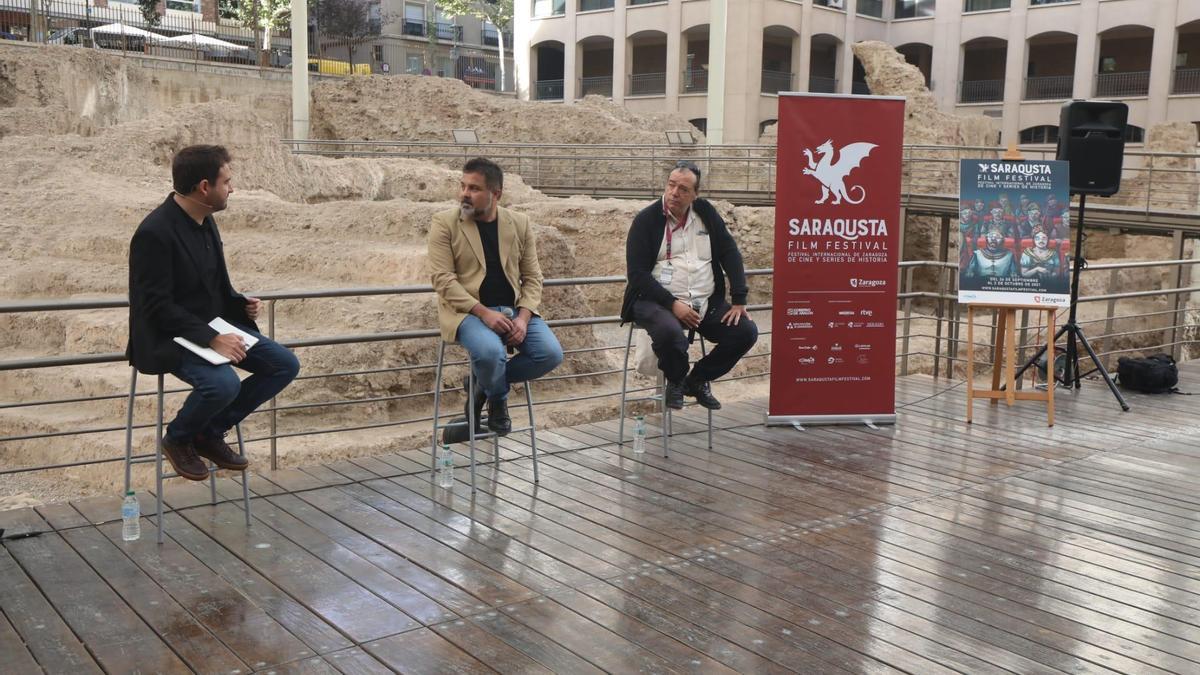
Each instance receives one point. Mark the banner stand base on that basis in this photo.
(868, 420)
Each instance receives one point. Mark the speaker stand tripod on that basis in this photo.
(1071, 375)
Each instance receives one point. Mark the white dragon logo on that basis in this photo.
(833, 175)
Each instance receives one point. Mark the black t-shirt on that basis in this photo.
(202, 244)
(495, 289)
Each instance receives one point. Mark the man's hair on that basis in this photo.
(690, 166)
(493, 175)
(197, 163)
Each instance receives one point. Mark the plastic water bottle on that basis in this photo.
(639, 435)
(446, 467)
(131, 517)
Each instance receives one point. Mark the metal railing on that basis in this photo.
(1049, 87)
(695, 81)
(775, 81)
(598, 86)
(647, 84)
(1186, 81)
(928, 337)
(822, 85)
(980, 91)
(1123, 84)
(548, 90)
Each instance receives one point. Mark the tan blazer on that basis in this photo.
(456, 264)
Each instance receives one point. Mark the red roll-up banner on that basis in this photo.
(837, 238)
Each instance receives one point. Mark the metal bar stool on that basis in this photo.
(659, 396)
(158, 457)
(471, 421)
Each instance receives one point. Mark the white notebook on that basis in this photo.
(209, 354)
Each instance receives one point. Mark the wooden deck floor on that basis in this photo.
(929, 547)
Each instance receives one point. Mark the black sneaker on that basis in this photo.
(498, 420)
(673, 395)
(480, 398)
(702, 392)
(184, 459)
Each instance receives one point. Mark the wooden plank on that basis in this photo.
(61, 516)
(189, 639)
(356, 661)
(424, 651)
(119, 643)
(325, 590)
(299, 620)
(487, 648)
(216, 601)
(325, 475)
(22, 521)
(310, 666)
(352, 471)
(13, 653)
(107, 509)
(533, 644)
(41, 629)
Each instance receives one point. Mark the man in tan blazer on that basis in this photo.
(484, 266)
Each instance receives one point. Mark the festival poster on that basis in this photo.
(1014, 232)
(837, 233)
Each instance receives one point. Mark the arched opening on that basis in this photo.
(823, 63)
(647, 63)
(1050, 72)
(1124, 66)
(695, 60)
(700, 123)
(547, 65)
(777, 75)
(919, 55)
(1043, 133)
(858, 80)
(983, 71)
(595, 66)
(1187, 59)
(762, 126)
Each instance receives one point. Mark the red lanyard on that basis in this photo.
(679, 226)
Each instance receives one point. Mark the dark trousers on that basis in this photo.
(670, 340)
(219, 400)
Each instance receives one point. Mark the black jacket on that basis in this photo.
(641, 253)
(167, 296)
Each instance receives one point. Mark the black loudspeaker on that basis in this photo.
(1091, 136)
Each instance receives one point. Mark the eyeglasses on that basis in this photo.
(690, 166)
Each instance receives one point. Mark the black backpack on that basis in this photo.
(1154, 374)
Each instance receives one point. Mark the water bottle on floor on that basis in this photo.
(446, 467)
(131, 517)
(639, 435)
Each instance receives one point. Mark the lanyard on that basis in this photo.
(682, 223)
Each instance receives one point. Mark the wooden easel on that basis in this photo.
(1005, 355)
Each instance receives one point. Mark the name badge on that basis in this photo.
(666, 274)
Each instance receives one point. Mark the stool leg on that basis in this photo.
(212, 482)
(703, 353)
(624, 387)
(245, 476)
(129, 432)
(532, 430)
(471, 418)
(666, 415)
(437, 402)
(158, 460)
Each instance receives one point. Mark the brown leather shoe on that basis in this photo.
(182, 457)
(217, 451)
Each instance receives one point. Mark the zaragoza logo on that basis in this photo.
(832, 175)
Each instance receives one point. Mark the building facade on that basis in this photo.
(721, 63)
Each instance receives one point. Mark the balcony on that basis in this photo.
(491, 37)
(592, 5)
(774, 81)
(870, 8)
(448, 31)
(1049, 87)
(822, 85)
(981, 91)
(647, 84)
(695, 81)
(548, 90)
(1187, 81)
(414, 28)
(1123, 84)
(596, 86)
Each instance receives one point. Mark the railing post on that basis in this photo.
(1113, 280)
(906, 287)
(274, 401)
(1176, 297)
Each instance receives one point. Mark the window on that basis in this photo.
(544, 8)
(1039, 134)
(984, 5)
(377, 53)
(1134, 134)
(908, 9)
(412, 64)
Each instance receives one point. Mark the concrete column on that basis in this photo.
(674, 56)
(1162, 62)
(804, 65)
(570, 56)
(799, 77)
(522, 38)
(620, 53)
(1014, 73)
(717, 42)
(846, 71)
(1087, 49)
(300, 69)
(946, 63)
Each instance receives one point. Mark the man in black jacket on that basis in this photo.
(178, 283)
(677, 255)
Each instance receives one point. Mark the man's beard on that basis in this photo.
(469, 210)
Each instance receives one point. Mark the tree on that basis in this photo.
(149, 10)
(258, 15)
(348, 20)
(498, 12)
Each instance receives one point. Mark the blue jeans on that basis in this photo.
(494, 371)
(219, 400)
